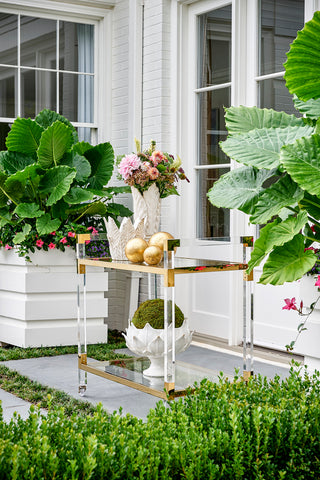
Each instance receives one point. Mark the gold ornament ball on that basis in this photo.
(158, 239)
(152, 255)
(134, 250)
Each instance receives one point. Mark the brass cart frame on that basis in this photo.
(167, 270)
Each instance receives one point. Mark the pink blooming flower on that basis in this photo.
(51, 246)
(128, 164)
(153, 173)
(52, 233)
(158, 157)
(87, 242)
(39, 242)
(313, 228)
(7, 247)
(63, 240)
(317, 284)
(290, 304)
(71, 234)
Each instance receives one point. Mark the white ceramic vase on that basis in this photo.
(147, 206)
(149, 342)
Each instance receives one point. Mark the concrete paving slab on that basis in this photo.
(10, 404)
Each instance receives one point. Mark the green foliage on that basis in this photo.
(49, 182)
(287, 201)
(230, 430)
(152, 312)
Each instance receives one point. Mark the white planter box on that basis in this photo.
(38, 300)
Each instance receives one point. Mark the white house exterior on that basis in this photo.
(162, 70)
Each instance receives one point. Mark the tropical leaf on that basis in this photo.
(80, 163)
(243, 119)
(56, 140)
(46, 225)
(288, 262)
(303, 62)
(81, 147)
(89, 209)
(31, 172)
(101, 158)
(302, 162)
(3, 195)
(13, 162)
(78, 195)
(281, 194)
(311, 203)
(310, 109)
(239, 188)
(57, 181)
(21, 236)
(47, 117)
(28, 210)
(118, 210)
(24, 136)
(261, 148)
(117, 190)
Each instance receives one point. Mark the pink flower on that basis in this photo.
(52, 233)
(39, 243)
(290, 304)
(51, 246)
(63, 240)
(157, 157)
(128, 164)
(87, 242)
(313, 228)
(153, 173)
(7, 247)
(71, 234)
(317, 284)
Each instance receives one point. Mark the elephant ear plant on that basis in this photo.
(52, 186)
(278, 185)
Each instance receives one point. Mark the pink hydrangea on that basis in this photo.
(63, 240)
(39, 243)
(157, 157)
(51, 246)
(128, 164)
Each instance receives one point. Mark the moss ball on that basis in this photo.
(152, 311)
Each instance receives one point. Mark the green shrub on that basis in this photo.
(152, 311)
(229, 430)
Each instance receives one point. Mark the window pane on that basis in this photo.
(38, 42)
(212, 125)
(9, 39)
(38, 92)
(7, 92)
(212, 221)
(280, 22)
(215, 47)
(76, 97)
(273, 93)
(4, 130)
(84, 134)
(76, 47)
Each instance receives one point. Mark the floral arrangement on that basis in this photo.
(143, 168)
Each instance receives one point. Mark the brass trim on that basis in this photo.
(81, 269)
(82, 359)
(82, 237)
(169, 387)
(248, 277)
(247, 374)
(168, 278)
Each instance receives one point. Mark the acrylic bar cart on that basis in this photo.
(178, 259)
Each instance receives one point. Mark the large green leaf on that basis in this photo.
(3, 195)
(101, 159)
(303, 62)
(47, 117)
(78, 195)
(281, 194)
(13, 162)
(243, 119)
(239, 188)
(310, 109)
(311, 203)
(24, 136)
(118, 210)
(288, 262)
(28, 210)
(21, 236)
(46, 225)
(89, 209)
(261, 148)
(302, 162)
(56, 140)
(80, 163)
(275, 234)
(81, 147)
(57, 182)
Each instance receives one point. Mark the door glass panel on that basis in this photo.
(212, 127)
(9, 39)
(38, 42)
(273, 93)
(280, 22)
(7, 92)
(215, 47)
(212, 221)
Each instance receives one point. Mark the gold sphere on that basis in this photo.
(134, 250)
(158, 239)
(152, 255)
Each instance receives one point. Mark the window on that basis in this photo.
(46, 63)
(213, 94)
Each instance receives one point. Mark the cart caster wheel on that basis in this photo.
(82, 390)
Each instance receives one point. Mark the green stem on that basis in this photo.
(3, 191)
